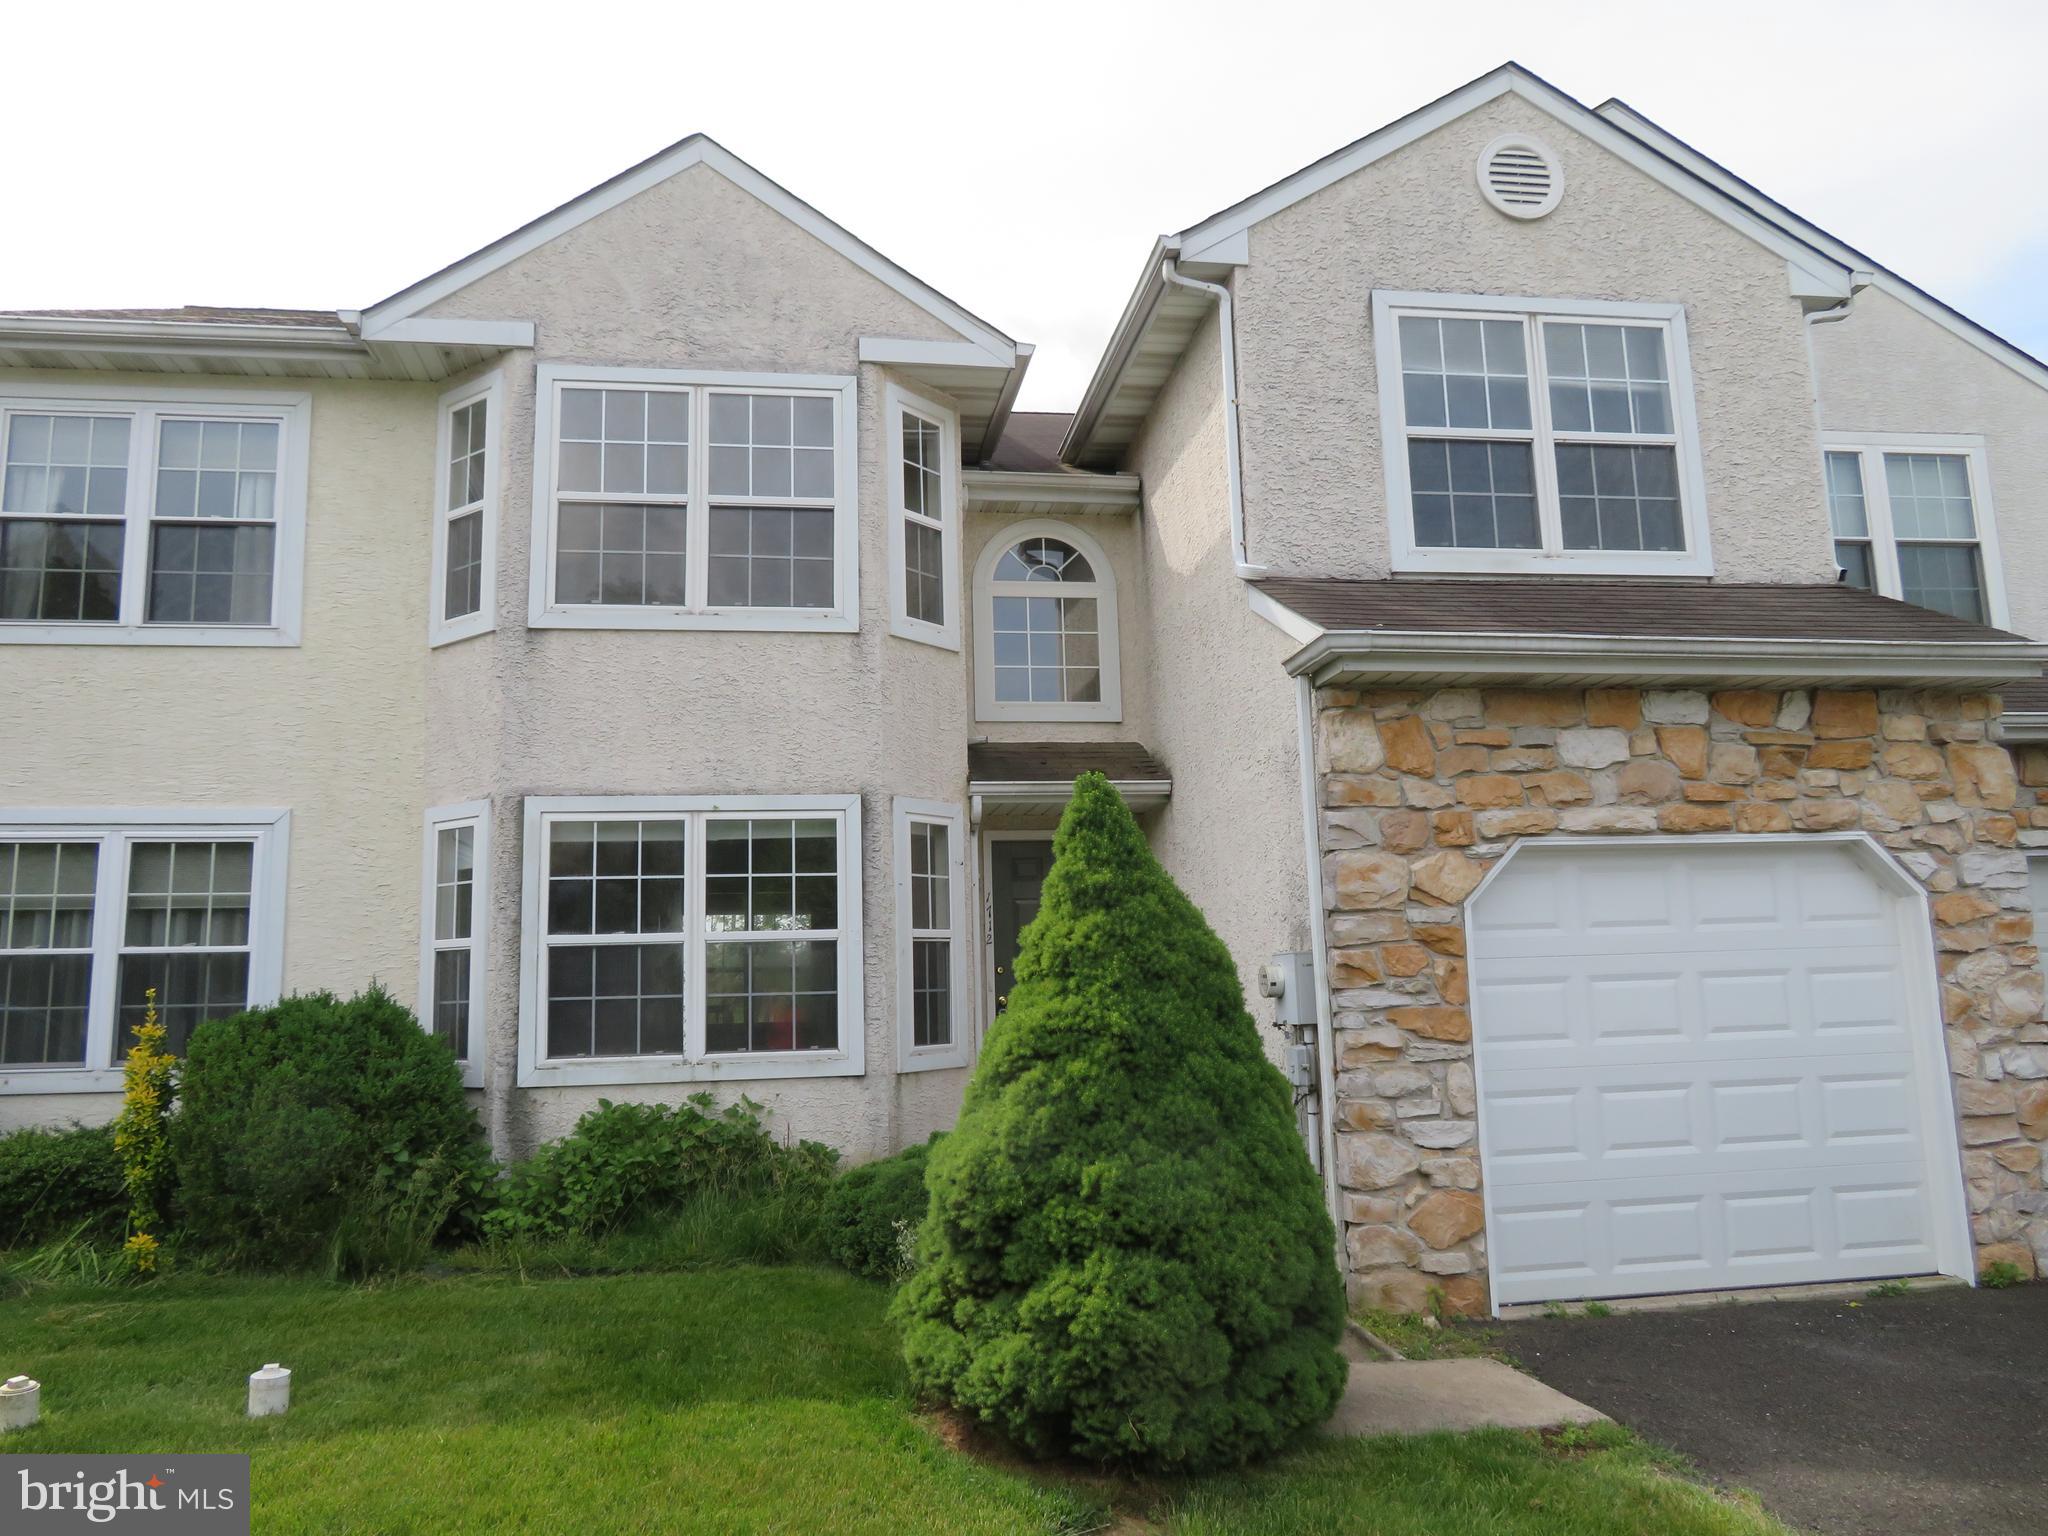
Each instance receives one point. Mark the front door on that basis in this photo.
(1017, 869)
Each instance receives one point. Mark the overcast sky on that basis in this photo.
(1020, 158)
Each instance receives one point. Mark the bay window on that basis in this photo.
(1526, 435)
(676, 499)
(691, 937)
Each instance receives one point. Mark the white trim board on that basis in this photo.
(697, 149)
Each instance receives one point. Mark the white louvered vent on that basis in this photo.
(1520, 177)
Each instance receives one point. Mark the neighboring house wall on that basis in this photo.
(1415, 221)
(1424, 791)
(694, 273)
(1224, 721)
(329, 729)
(1888, 368)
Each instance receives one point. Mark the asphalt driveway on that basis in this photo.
(1925, 1413)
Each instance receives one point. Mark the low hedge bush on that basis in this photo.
(324, 1130)
(55, 1183)
(624, 1163)
(873, 1212)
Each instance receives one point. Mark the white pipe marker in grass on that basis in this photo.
(21, 1401)
(270, 1391)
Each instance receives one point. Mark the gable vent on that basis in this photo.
(1520, 177)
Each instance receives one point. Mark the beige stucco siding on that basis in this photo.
(696, 274)
(332, 729)
(1414, 221)
(1224, 711)
(1888, 368)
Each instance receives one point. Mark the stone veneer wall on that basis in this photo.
(1422, 791)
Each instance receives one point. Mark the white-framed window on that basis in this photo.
(2037, 896)
(931, 935)
(683, 938)
(463, 598)
(98, 907)
(1911, 518)
(677, 499)
(154, 516)
(1045, 627)
(454, 923)
(922, 441)
(1539, 435)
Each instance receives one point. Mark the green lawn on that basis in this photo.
(727, 1400)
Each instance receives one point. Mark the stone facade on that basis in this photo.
(1422, 791)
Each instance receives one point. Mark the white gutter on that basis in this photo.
(1232, 461)
(1319, 944)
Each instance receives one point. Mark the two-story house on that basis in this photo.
(1550, 605)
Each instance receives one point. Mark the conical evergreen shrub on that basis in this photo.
(1126, 1257)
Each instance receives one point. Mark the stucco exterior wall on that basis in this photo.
(1415, 221)
(696, 274)
(1888, 368)
(1224, 717)
(1424, 791)
(332, 728)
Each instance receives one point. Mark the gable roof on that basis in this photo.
(1868, 268)
(697, 149)
(1110, 409)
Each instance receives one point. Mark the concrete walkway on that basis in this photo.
(1416, 1397)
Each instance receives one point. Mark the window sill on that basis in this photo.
(775, 620)
(26, 1080)
(1051, 713)
(710, 1069)
(925, 634)
(256, 636)
(461, 629)
(933, 1059)
(1478, 562)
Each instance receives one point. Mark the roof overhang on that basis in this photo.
(1403, 659)
(1050, 493)
(998, 803)
(1158, 321)
(982, 383)
(420, 351)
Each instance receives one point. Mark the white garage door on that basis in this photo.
(1705, 1066)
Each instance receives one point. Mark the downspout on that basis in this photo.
(1226, 345)
(1319, 946)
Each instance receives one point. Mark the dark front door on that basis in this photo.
(1017, 870)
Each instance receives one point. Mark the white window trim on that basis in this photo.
(911, 1057)
(475, 814)
(1109, 631)
(897, 402)
(849, 1060)
(1695, 560)
(441, 630)
(843, 617)
(1871, 447)
(115, 829)
(293, 412)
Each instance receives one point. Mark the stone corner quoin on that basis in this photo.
(1421, 792)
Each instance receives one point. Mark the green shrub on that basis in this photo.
(2000, 1274)
(55, 1183)
(872, 1207)
(1127, 1256)
(303, 1128)
(626, 1162)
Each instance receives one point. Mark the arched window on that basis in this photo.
(1045, 627)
